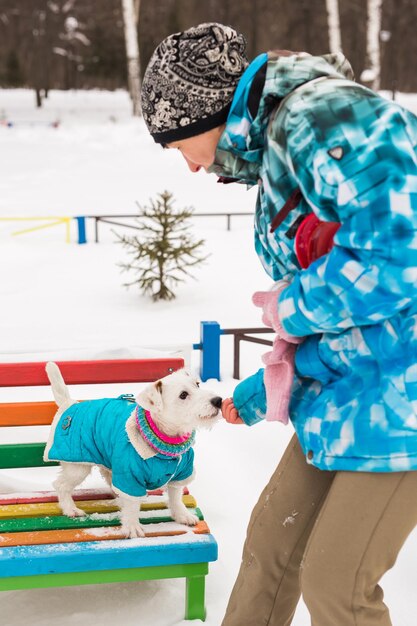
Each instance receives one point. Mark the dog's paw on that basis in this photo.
(132, 530)
(74, 512)
(185, 517)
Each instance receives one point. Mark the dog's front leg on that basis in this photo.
(129, 515)
(178, 509)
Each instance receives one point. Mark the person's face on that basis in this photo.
(199, 151)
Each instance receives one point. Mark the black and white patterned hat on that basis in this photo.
(190, 81)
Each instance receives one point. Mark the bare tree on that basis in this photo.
(137, 11)
(372, 71)
(39, 67)
(71, 38)
(130, 19)
(333, 23)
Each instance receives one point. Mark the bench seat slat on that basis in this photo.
(89, 506)
(79, 494)
(58, 522)
(72, 535)
(50, 496)
(105, 555)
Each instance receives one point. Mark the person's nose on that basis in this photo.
(192, 166)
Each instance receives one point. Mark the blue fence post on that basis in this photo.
(210, 350)
(82, 236)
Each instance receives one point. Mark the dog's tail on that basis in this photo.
(59, 388)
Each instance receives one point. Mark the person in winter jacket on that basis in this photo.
(336, 230)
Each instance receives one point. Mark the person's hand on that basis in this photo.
(268, 302)
(229, 412)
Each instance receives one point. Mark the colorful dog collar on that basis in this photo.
(162, 443)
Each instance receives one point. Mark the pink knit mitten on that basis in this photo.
(278, 379)
(268, 301)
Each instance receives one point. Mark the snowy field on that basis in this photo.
(62, 300)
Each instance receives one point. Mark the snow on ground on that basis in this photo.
(65, 300)
(101, 161)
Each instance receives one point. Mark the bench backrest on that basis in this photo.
(74, 373)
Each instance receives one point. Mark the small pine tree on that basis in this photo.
(165, 251)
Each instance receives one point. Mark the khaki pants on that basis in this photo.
(329, 536)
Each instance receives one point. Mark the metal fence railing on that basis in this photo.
(114, 220)
(241, 334)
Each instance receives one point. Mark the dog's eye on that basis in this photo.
(197, 383)
(183, 395)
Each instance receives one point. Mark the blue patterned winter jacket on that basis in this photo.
(354, 400)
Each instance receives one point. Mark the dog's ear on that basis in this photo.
(151, 397)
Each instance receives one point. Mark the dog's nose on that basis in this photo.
(216, 402)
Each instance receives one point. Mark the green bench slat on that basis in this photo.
(58, 522)
(22, 455)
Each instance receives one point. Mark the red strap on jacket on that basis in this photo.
(292, 203)
(313, 238)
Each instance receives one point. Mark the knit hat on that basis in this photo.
(190, 81)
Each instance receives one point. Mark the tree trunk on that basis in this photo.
(333, 23)
(38, 97)
(132, 53)
(137, 11)
(373, 72)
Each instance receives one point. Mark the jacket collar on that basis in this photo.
(240, 149)
(235, 140)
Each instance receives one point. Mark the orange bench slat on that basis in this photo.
(27, 413)
(44, 537)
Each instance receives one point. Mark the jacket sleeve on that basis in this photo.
(355, 165)
(249, 398)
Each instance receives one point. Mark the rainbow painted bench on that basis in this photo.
(39, 547)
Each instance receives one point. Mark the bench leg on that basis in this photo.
(194, 598)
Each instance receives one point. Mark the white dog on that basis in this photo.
(138, 445)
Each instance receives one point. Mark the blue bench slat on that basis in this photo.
(102, 555)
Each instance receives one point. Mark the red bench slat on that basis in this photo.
(89, 372)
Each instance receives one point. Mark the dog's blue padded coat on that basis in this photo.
(95, 432)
